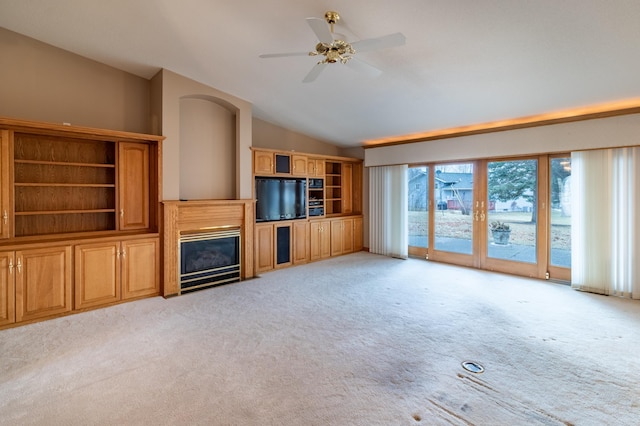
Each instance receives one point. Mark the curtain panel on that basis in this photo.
(388, 211)
(605, 222)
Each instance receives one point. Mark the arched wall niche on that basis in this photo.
(172, 96)
(207, 148)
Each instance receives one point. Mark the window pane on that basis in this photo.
(453, 196)
(560, 212)
(418, 197)
(512, 211)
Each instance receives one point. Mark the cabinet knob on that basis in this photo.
(10, 266)
(121, 212)
(5, 217)
(19, 266)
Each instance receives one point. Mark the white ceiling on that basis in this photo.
(465, 61)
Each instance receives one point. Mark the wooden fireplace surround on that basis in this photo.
(204, 215)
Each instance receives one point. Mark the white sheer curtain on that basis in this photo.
(388, 230)
(605, 223)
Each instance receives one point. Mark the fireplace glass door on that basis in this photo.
(210, 258)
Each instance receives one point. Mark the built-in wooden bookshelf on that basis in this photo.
(63, 185)
(79, 218)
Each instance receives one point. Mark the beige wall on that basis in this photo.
(267, 135)
(207, 150)
(44, 83)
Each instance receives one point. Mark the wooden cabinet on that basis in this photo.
(273, 245)
(269, 163)
(263, 163)
(70, 191)
(107, 272)
(320, 239)
(42, 282)
(134, 185)
(343, 188)
(140, 268)
(342, 236)
(300, 242)
(264, 245)
(7, 288)
(334, 201)
(358, 234)
(315, 167)
(347, 188)
(97, 274)
(299, 165)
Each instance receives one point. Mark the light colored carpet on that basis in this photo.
(355, 340)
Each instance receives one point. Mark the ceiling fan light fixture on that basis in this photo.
(334, 48)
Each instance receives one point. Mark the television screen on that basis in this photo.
(280, 199)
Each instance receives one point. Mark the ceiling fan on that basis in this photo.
(336, 50)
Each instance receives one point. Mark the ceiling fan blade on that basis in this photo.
(363, 67)
(321, 29)
(314, 73)
(283, 55)
(390, 40)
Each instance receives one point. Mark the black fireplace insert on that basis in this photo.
(209, 258)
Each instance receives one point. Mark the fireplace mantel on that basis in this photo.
(203, 215)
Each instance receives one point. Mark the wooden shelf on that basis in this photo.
(42, 212)
(69, 185)
(64, 163)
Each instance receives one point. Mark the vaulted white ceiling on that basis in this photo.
(464, 62)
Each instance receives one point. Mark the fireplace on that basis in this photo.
(209, 258)
(183, 219)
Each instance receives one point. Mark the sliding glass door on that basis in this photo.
(454, 239)
(514, 214)
(509, 215)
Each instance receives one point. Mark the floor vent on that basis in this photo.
(473, 367)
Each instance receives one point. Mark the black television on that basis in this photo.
(280, 198)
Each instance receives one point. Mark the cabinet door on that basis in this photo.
(299, 165)
(140, 267)
(320, 168)
(97, 274)
(347, 236)
(314, 240)
(347, 188)
(7, 287)
(300, 242)
(320, 240)
(5, 184)
(43, 282)
(325, 240)
(358, 237)
(264, 245)
(262, 163)
(283, 240)
(134, 185)
(311, 167)
(336, 237)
